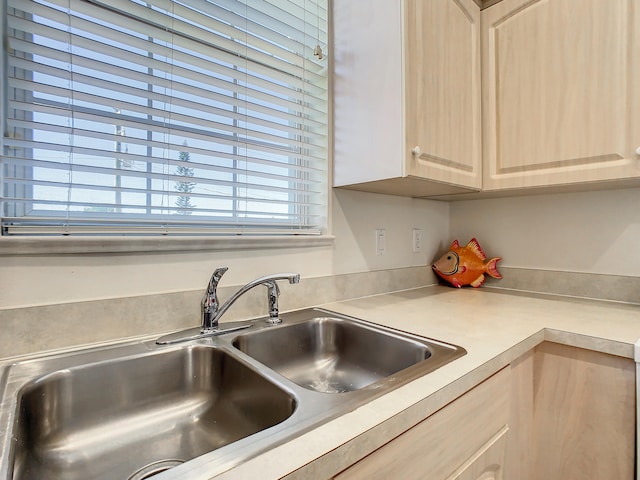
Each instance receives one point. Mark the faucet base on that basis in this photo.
(198, 333)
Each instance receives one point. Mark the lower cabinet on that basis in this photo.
(557, 412)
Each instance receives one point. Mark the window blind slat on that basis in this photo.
(283, 124)
(288, 113)
(253, 164)
(304, 167)
(220, 139)
(217, 228)
(244, 132)
(194, 29)
(132, 207)
(229, 78)
(290, 31)
(54, 168)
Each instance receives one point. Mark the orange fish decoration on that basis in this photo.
(466, 265)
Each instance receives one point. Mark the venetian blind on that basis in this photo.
(164, 117)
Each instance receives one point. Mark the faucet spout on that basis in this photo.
(210, 302)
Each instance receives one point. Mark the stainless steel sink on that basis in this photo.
(334, 354)
(139, 410)
(129, 417)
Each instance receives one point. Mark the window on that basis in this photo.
(164, 117)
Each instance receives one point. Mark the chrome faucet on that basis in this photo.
(212, 311)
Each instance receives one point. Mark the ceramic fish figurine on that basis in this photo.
(466, 265)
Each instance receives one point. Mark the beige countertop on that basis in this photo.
(494, 326)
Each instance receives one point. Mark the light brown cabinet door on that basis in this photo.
(583, 415)
(443, 94)
(561, 92)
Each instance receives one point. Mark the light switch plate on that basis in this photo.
(381, 241)
(417, 240)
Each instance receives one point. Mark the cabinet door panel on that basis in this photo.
(561, 91)
(584, 414)
(443, 95)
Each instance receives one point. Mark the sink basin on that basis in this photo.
(131, 418)
(333, 354)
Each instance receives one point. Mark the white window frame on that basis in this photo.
(92, 244)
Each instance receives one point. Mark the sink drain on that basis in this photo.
(154, 468)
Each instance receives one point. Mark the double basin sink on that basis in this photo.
(140, 410)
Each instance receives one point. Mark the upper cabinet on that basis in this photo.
(407, 96)
(561, 92)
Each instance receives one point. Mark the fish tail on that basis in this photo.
(492, 267)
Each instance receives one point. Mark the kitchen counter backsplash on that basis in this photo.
(53, 327)
(614, 288)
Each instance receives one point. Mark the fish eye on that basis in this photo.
(449, 257)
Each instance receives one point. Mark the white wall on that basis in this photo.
(591, 232)
(43, 280)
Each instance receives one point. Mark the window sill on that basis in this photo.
(82, 245)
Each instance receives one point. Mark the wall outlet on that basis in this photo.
(417, 240)
(381, 241)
